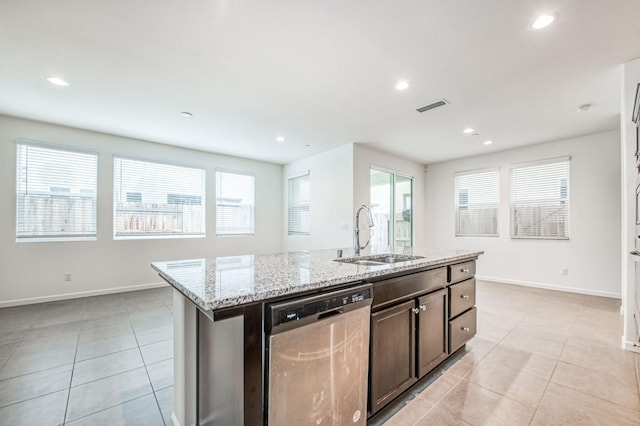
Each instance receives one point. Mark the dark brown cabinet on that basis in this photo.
(462, 299)
(418, 320)
(431, 331)
(392, 353)
(408, 333)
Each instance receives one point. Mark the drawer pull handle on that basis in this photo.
(423, 307)
(416, 311)
(464, 296)
(464, 270)
(465, 329)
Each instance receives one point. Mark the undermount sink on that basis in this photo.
(377, 260)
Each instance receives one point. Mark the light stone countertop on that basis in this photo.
(228, 281)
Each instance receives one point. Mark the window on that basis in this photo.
(157, 200)
(477, 198)
(391, 209)
(234, 204)
(299, 200)
(540, 200)
(56, 192)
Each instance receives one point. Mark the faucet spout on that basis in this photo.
(356, 229)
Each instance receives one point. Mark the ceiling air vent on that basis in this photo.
(437, 104)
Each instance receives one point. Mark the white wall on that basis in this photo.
(365, 158)
(331, 198)
(339, 182)
(592, 254)
(630, 80)
(34, 271)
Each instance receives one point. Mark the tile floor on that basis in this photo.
(540, 358)
(104, 360)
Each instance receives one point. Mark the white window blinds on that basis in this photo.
(234, 203)
(298, 209)
(540, 200)
(477, 202)
(56, 192)
(156, 199)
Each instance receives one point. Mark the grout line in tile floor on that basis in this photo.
(107, 408)
(153, 390)
(73, 369)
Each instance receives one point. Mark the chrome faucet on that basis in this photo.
(356, 229)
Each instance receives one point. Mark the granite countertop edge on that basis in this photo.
(353, 273)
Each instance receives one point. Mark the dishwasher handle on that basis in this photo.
(329, 314)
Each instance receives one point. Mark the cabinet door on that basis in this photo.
(392, 353)
(432, 331)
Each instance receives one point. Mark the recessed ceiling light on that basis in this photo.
(487, 142)
(186, 114)
(57, 81)
(280, 139)
(467, 130)
(542, 21)
(402, 85)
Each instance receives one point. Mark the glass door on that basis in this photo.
(391, 207)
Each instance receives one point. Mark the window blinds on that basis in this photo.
(477, 202)
(56, 192)
(156, 199)
(298, 209)
(234, 203)
(540, 200)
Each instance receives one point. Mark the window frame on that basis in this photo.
(253, 204)
(156, 236)
(290, 179)
(457, 204)
(62, 237)
(567, 199)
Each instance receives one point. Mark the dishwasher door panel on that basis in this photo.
(318, 372)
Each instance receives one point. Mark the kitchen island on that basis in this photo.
(219, 317)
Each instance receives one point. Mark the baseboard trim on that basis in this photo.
(174, 419)
(630, 346)
(551, 287)
(80, 294)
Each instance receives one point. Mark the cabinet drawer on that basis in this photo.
(462, 329)
(462, 296)
(395, 289)
(461, 271)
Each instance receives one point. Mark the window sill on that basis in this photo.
(155, 237)
(54, 239)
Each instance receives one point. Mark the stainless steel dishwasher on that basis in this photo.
(318, 359)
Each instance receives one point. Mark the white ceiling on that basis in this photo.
(320, 73)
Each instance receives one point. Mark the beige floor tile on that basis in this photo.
(409, 414)
(564, 406)
(515, 384)
(480, 406)
(490, 332)
(480, 344)
(584, 335)
(523, 360)
(559, 336)
(439, 388)
(608, 304)
(615, 362)
(463, 366)
(597, 384)
(440, 417)
(534, 344)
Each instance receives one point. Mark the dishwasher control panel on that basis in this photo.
(314, 307)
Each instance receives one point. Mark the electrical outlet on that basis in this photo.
(565, 271)
(67, 277)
